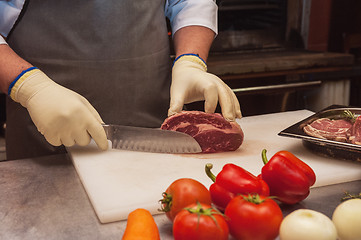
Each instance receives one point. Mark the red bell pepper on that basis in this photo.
(232, 181)
(288, 178)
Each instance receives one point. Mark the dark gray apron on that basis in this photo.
(115, 53)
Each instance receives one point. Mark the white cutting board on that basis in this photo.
(118, 181)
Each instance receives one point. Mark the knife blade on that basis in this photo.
(150, 139)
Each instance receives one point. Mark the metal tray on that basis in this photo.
(325, 147)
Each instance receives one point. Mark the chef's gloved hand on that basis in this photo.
(191, 83)
(61, 115)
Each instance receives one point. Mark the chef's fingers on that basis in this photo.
(175, 108)
(226, 102)
(56, 139)
(97, 132)
(82, 138)
(52, 139)
(210, 95)
(67, 141)
(237, 107)
(238, 111)
(95, 129)
(176, 102)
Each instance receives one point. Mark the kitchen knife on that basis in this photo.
(150, 140)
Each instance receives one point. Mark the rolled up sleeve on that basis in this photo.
(182, 13)
(2, 40)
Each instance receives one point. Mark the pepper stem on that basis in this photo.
(208, 168)
(264, 156)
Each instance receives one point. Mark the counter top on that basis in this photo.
(43, 198)
(278, 61)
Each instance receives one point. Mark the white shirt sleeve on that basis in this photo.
(2, 40)
(182, 13)
(9, 13)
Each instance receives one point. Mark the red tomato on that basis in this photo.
(253, 217)
(181, 193)
(200, 222)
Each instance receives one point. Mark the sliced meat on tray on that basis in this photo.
(337, 130)
(210, 130)
(355, 136)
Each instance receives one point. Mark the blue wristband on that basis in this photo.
(18, 77)
(189, 54)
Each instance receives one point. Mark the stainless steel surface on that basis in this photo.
(150, 140)
(43, 198)
(276, 87)
(2, 148)
(325, 146)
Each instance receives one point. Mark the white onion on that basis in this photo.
(307, 224)
(347, 219)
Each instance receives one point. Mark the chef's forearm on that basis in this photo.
(193, 39)
(11, 65)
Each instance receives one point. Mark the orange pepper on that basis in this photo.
(141, 226)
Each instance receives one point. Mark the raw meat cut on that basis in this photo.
(210, 130)
(337, 130)
(355, 136)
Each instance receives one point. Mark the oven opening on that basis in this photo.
(250, 25)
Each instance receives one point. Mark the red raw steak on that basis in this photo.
(355, 137)
(337, 130)
(210, 130)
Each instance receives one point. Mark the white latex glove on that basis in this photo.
(191, 82)
(61, 115)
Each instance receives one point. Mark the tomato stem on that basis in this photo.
(253, 198)
(166, 202)
(199, 210)
(208, 168)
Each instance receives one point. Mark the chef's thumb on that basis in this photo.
(176, 104)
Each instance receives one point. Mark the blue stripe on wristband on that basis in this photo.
(18, 77)
(189, 54)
